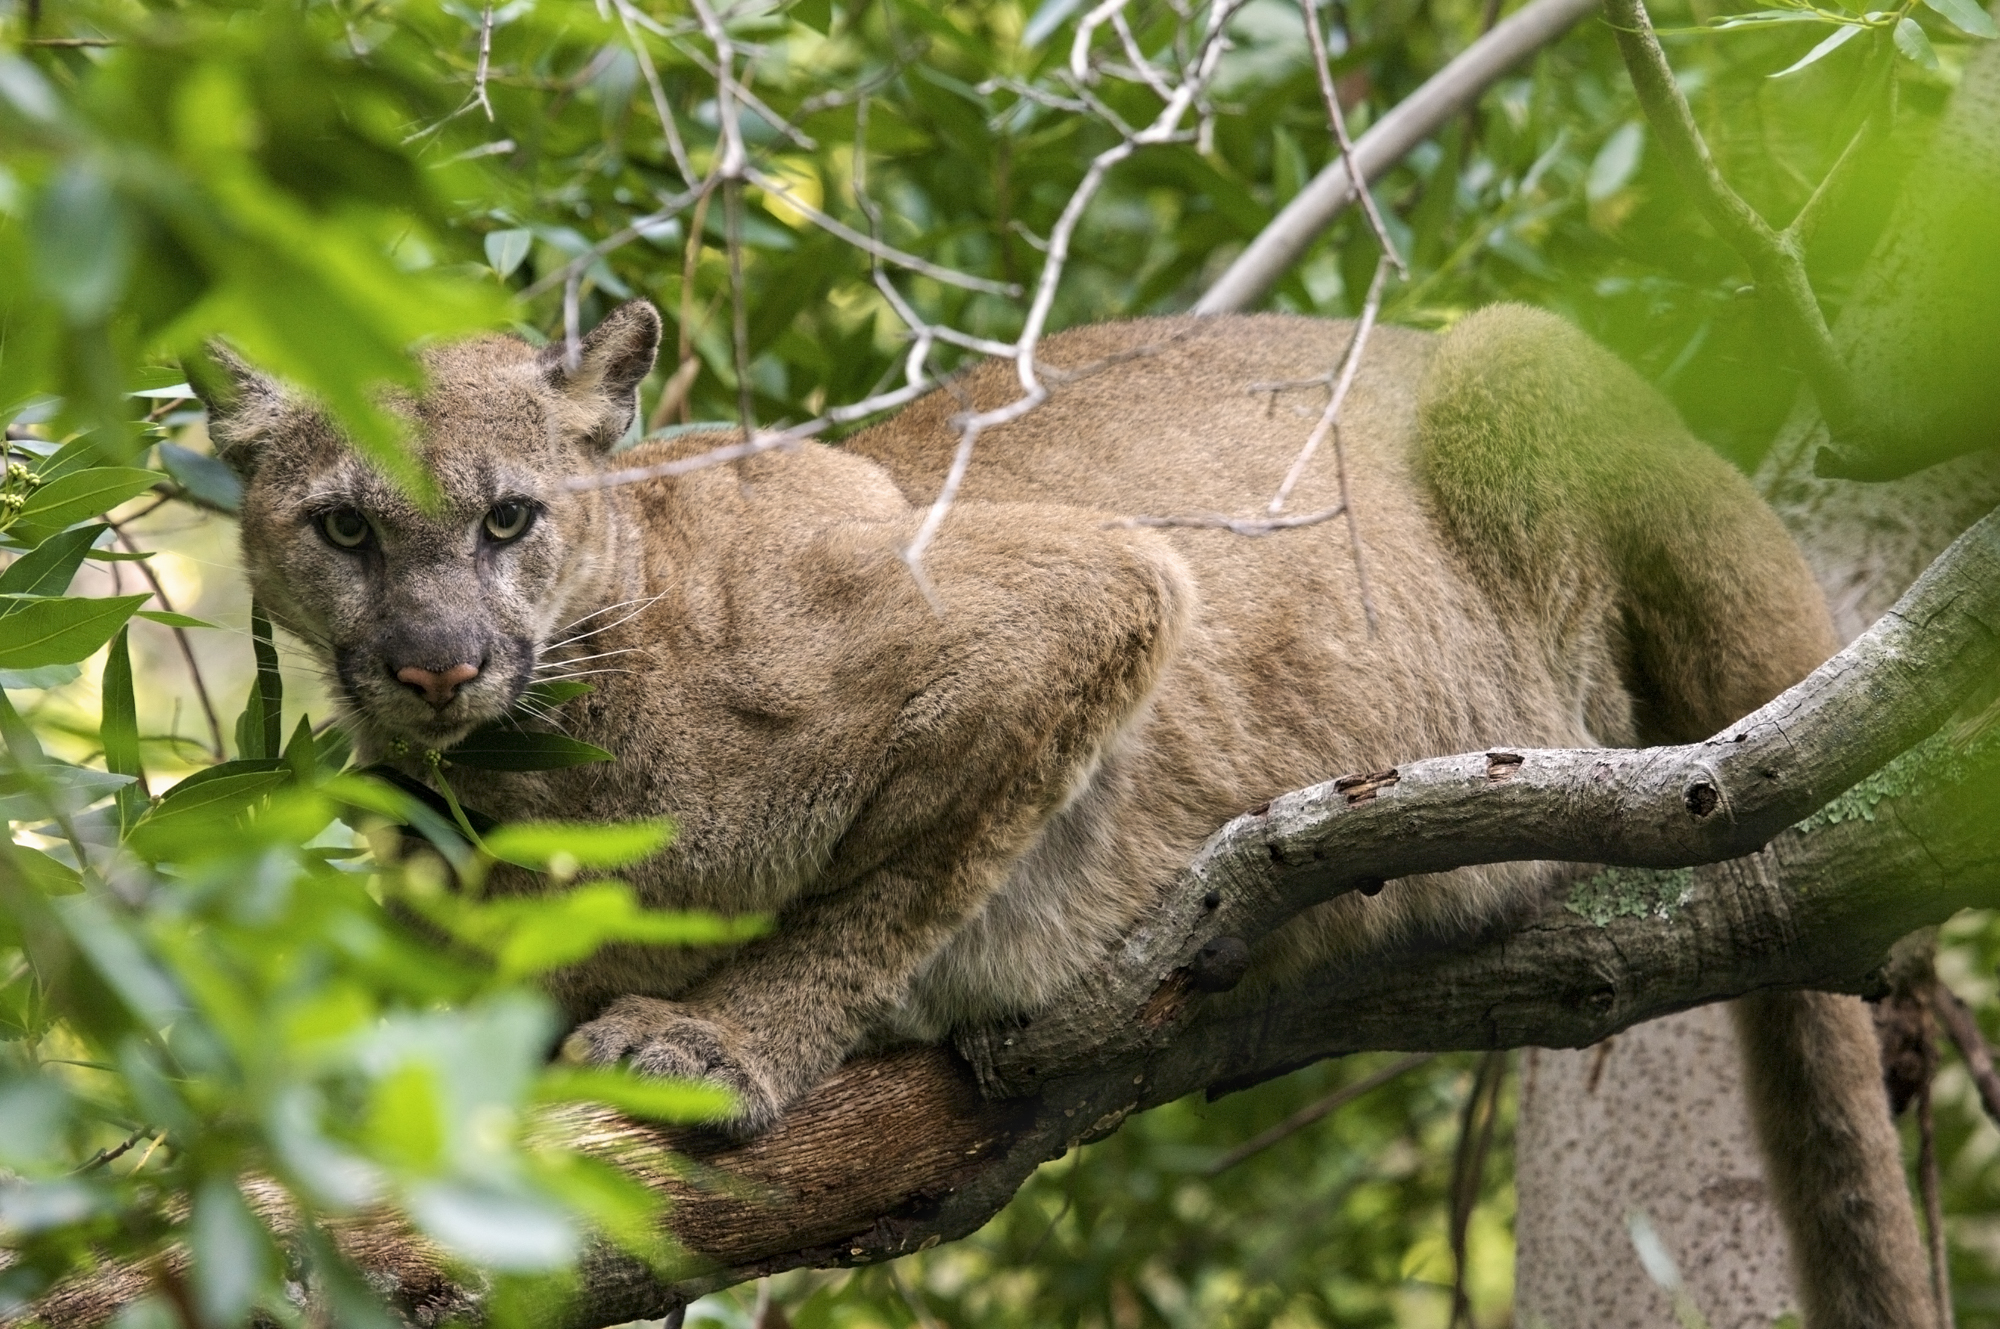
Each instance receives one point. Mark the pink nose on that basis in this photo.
(437, 688)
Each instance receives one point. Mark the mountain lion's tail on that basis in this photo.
(1563, 477)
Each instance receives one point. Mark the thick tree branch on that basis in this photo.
(904, 1149)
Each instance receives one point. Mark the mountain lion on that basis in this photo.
(954, 796)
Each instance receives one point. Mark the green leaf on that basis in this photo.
(815, 14)
(535, 844)
(498, 748)
(188, 817)
(62, 631)
(174, 620)
(532, 936)
(505, 250)
(68, 500)
(1912, 41)
(54, 788)
(300, 757)
(118, 730)
(1824, 49)
(558, 692)
(48, 676)
(232, 1254)
(1616, 162)
(83, 241)
(207, 481)
(260, 728)
(1966, 17)
(49, 568)
(647, 1097)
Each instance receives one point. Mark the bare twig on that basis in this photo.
(1312, 1112)
(1339, 124)
(1775, 258)
(1388, 140)
(739, 304)
(181, 637)
(485, 62)
(1929, 1187)
(772, 185)
(1963, 1026)
(1216, 521)
(1329, 419)
(669, 126)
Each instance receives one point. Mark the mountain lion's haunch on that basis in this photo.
(953, 805)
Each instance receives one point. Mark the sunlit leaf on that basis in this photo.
(71, 498)
(586, 844)
(1824, 49)
(647, 1096)
(505, 250)
(176, 620)
(61, 631)
(1966, 17)
(1911, 41)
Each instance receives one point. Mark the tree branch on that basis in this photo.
(904, 1149)
(1775, 258)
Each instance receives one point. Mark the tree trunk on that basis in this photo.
(1654, 1119)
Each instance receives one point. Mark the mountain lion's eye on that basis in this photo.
(345, 527)
(509, 520)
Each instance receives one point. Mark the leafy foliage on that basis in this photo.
(244, 969)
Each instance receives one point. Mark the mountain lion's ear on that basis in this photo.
(604, 383)
(244, 403)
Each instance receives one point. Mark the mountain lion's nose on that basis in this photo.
(437, 688)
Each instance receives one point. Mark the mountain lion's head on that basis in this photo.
(433, 621)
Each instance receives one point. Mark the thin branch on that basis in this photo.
(485, 62)
(1313, 1112)
(1963, 1026)
(181, 637)
(669, 126)
(1216, 521)
(1930, 1188)
(952, 277)
(1350, 363)
(1339, 124)
(739, 303)
(1774, 257)
(1281, 243)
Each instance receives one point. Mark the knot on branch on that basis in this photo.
(1702, 798)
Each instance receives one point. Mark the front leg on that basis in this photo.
(782, 1016)
(1048, 635)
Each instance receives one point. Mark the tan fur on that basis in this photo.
(953, 808)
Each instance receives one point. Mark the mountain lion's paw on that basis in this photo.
(668, 1039)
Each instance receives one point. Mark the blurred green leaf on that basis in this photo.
(206, 480)
(535, 934)
(1966, 16)
(1911, 41)
(174, 620)
(1839, 39)
(505, 250)
(646, 1096)
(534, 844)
